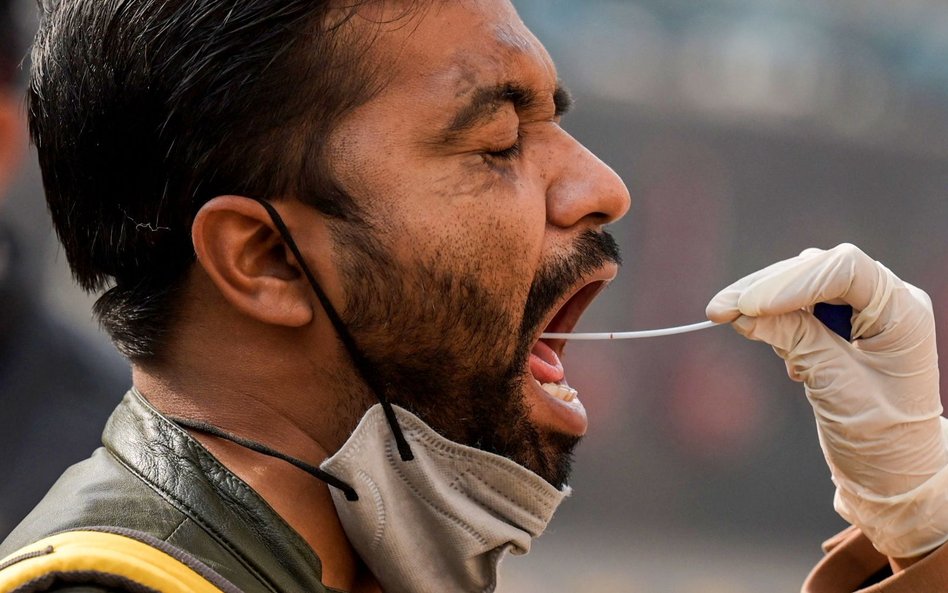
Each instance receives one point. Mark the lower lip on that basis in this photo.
(555, 415)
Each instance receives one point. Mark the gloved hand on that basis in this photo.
(878, 411)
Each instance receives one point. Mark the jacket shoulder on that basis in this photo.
(99, 491)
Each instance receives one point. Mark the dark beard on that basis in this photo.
(439, 345)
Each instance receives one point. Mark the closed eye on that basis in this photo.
(505, 154)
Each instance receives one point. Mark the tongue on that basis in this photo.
(545, 364)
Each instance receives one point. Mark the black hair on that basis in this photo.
(9, 43)
(143, 110)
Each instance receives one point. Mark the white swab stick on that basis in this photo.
(649, 333)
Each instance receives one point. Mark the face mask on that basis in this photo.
(441, 521)
(425, 514)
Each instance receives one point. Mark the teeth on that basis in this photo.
(561, 392)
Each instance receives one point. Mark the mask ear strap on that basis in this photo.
(312, 470)
(358, 359)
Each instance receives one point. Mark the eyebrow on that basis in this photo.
(487, 100)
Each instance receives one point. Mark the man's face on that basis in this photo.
(483, 229)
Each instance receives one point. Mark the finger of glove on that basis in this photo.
(723, 307)
(843, 273)
(805, 344)
(815, 251)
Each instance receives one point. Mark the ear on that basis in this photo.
(12, 137)
(245, 257)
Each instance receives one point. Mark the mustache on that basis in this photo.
(591, 251)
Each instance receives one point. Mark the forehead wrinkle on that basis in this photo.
(515, 45)
(511, 39)
(520, 40)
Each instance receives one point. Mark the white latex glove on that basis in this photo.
(878, 411)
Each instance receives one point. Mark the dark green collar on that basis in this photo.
(176, 465)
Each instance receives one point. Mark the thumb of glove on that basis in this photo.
(799, 338)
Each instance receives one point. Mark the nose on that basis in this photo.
(584, 189)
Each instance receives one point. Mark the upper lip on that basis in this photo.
(565, 323)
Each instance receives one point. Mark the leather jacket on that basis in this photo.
(151, 476)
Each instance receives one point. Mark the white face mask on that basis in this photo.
(440, 522)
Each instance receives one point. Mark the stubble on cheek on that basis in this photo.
(443, 345)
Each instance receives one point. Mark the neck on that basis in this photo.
(302, 500)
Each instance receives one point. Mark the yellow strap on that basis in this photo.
(109, 553)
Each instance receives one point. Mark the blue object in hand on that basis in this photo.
(836, 317)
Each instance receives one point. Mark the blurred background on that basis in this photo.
(747, 130)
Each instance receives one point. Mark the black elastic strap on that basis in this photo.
(358, 359)
(312, 470)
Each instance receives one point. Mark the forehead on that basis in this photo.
(449, 48)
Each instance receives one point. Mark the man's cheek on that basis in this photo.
(458, 180)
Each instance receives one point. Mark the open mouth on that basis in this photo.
(546, 364)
